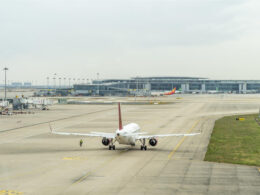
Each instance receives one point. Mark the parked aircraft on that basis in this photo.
(127, 135)
(24, 103)
(161, 93)
(171, 92)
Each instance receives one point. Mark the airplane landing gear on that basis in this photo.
(112, 146)
(143, 146)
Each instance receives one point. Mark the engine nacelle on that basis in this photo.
(105, 141)
(153, 142)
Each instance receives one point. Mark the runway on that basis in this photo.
(34, 161)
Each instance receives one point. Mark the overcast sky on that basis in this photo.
(218, 39)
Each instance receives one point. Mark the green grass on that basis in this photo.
(235, 141)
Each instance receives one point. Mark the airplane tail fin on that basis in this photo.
(119, 117)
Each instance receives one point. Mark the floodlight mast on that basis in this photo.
(54, 80)
(60, 82)
(69, 82)
(47, 82)
(5, 69)
(98, 84)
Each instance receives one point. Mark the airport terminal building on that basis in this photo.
(145, 86)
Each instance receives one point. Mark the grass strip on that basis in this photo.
(235, 141)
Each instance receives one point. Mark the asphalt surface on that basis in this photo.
(34, 161)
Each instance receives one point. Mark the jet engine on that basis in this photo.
(105, 141)
(153, 142)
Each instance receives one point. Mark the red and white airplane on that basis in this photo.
(171, 92)
(165, 93)
(127, 135)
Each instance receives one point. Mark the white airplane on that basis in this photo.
(127, 135)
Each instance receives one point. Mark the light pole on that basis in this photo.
(136, 90)
(54, 81)
(98, 83)
(137, 86)
(69, 82)
(59, 82)
(47, 82)
(64, 84)
(5, 69)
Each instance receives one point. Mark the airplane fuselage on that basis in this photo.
(123, 136)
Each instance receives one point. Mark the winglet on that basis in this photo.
(120, 118)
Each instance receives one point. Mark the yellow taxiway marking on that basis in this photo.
(182, 140)
(258, 169)
(10, 192)
(75, 158)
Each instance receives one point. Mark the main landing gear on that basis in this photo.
(143, 146)
(112, 146)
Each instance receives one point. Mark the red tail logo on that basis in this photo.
(120, 118)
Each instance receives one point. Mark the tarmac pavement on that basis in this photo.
(34, 161)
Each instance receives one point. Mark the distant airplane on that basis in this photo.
(161, 93)
(127, 135)
(19, 103)
(171, 92)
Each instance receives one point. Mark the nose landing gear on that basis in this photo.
(143, 146)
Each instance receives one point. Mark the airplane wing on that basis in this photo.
(166, 135)
(94, 134)
(103, 133)
(107, 135)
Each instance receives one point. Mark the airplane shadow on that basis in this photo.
(16, 149)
